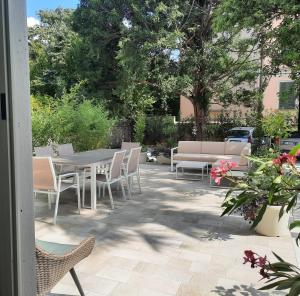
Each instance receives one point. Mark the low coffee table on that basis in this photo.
(194, 165)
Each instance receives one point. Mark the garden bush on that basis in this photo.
(83, 124)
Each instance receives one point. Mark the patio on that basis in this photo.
(169, 240)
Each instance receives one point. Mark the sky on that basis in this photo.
(35, 5)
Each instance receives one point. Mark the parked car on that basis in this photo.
(287, 144)
(240, 134)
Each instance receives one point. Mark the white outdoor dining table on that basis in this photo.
(90, 159)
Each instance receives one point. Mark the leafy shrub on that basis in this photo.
(139, 128)
(83, 124)
(277, 124)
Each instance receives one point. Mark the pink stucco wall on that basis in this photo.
(271, 99)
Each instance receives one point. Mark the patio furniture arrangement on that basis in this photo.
(101, 167)
(46, 181)
(194, 165)
(212, 152)
(54, 260)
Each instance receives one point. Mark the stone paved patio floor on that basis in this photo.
(169, 240)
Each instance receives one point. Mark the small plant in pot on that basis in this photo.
(266, 194)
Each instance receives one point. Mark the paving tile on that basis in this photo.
(169, 240)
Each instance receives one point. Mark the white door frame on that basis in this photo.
(17, 257)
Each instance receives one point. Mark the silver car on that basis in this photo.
(289, 143)
(240, 134)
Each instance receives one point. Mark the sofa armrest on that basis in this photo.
(173, 149)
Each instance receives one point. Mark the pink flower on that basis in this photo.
(262, 261)
(218, 173)
(256, 261)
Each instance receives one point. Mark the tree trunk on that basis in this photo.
(200, 120)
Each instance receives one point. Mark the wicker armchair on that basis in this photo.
(54, 260)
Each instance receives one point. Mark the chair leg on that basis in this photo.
(83, 189)
(78, 193)
(56, 207)
(76, 281)
(49, 201)
(128, 186)
(123, 190)
(110, 196)
(139, 181)
(103, 189)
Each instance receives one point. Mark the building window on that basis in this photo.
(287, 95)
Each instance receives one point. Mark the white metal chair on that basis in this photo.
(65, 149)
(46, 181)
(43, 151)
(132, 168)
(113, 174)
(129, 145)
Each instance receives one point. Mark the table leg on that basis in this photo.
(93, 188)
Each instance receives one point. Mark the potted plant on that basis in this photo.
(265, 195)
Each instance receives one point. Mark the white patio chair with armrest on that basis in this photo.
(132, 168)
(43, 151)
(65, 149)
(46, 181)
(129, 145)
(113, 174)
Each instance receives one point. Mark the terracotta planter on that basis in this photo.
(270, 225)
(143, 157)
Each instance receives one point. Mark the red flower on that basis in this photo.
(285, 158)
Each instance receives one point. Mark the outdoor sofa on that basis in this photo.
(212, 152)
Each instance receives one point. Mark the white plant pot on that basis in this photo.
(143, 157)
(271, 225)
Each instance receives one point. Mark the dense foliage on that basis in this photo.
(85, 125)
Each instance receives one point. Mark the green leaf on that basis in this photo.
(295, 290)
(295, 149)
(259, 216)
(271, 286)
(278, 258)
(294, 224)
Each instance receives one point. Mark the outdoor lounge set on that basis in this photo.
(201, 155)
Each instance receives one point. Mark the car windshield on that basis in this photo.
(238, 134)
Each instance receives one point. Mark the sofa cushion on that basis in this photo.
(210, 158)
(195, 157)
(235, 148)
(190, 147)
(213, 148)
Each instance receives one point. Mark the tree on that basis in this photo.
(169, 47)
(99, 24)
(277, 22)
(52, 46)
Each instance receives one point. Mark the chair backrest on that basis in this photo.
(116, 165)
(43, 151)
(133, 160)
(129, 145)
(43, 174)
(65, 149)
